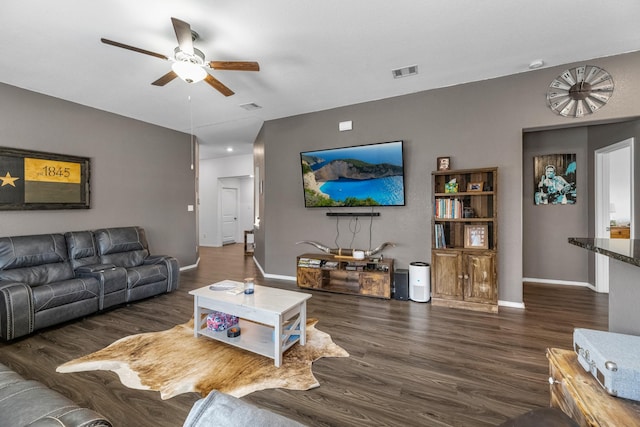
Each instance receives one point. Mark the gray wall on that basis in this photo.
(477, 124)
(602, 136)
(140, 173)
(599, 137)
(260, 236)
(212, 173)
(546, 228)
(546, 253)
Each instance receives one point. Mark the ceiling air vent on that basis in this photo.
(250, 106)
(411, 70)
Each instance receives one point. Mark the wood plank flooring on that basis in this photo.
(411, 364)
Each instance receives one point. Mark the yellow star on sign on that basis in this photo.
(8, 180)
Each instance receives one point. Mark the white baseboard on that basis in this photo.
(192, 266)
(511, 304)
(559, 282)
(272, 276)
(278, 277)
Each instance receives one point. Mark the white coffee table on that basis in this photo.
(264, 315)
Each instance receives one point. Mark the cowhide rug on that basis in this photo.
(174, 362)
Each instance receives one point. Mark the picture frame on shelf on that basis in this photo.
(451, 187)
(475, 186)
(468, 212)
(476, 236)
(444, 163)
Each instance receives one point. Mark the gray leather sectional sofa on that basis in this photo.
(48, 279)
(30, 403)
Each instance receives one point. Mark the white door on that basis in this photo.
(616, 158)
(229, 215)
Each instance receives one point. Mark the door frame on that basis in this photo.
(601, 203)
(221, 216)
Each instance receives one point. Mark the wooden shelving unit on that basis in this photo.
(367, 277)
(465, 239)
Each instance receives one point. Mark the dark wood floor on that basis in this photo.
(411, 364)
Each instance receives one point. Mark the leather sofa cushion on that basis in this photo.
(125, 259)
(82, 248)
(122, 246)
(39, 275)
(7, 376)
(30, 403)
(62, 293)
(145, 274)
(29, 251)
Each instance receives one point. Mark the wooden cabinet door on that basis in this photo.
(446, 277)
(310, 277)
(375, 284)
(480, 277)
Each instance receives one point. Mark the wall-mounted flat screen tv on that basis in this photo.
(363, 175)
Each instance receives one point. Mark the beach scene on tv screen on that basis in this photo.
(366, 175)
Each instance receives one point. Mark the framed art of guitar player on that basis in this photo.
(555, 179)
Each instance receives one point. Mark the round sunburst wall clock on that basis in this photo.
(580, 91)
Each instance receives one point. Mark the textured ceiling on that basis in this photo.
(314, 55)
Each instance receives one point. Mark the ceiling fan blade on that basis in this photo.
(165, 79)
(135, 49)
(183, 34)
(216, 84)
(235, 65)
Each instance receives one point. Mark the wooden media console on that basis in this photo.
(345, 275)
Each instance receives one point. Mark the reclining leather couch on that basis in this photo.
(30, 403)
(48, 279)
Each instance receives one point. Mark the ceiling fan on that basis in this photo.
(188, 62)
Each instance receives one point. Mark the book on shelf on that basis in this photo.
(439, 238)
(448, 208)
(309, 262)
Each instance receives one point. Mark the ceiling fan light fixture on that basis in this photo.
(188, 62)
(189, 72)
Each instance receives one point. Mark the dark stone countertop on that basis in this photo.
(625, 250)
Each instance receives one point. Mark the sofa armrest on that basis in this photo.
(17, 314)
(222, 410)
(93, 268)
(30, 403)
(76, 417)
(112, 279)
(173, 269)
